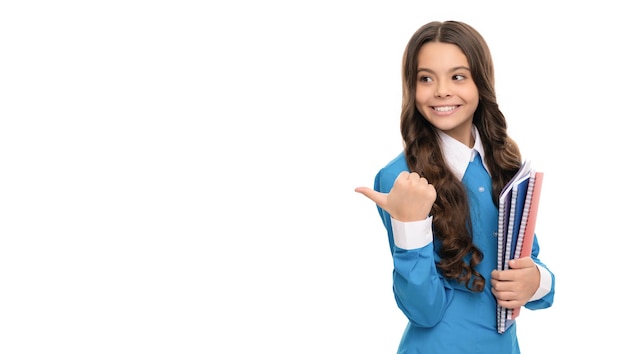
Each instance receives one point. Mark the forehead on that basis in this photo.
(440, 56)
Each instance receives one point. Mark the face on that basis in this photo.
(446, 94)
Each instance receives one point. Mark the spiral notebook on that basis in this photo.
(526, 239)
(517, 213)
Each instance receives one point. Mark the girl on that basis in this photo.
(438, 200)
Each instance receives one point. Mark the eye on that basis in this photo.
(424, 79)
(458, 77)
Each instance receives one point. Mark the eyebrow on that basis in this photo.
(456, 68)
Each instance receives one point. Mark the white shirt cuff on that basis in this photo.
(545, 284)
(413, 234)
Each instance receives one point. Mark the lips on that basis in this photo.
(445, 108)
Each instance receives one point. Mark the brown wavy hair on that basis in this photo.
(451, 216)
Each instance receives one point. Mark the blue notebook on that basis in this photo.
(512, 201)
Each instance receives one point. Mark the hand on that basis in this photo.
(515, 286)
(410, 198)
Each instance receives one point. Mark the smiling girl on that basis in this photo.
(438, 200)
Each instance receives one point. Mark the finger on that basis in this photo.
(505, 295)
(520, 263)
(502, 286)
(404, 175)
(416, 177)
(428, 190)
(497, 275)
(510, 304)
(379, 198)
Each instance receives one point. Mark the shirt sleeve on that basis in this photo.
(545, 283)
(413, 234)
(420, 292)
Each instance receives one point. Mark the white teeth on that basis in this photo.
(444, 109)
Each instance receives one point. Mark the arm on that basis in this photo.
(404, 204)
(420, 292)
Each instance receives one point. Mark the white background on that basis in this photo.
(178, 176)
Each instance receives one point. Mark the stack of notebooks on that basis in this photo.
(517, 215)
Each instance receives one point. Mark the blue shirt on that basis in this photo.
(443, 315)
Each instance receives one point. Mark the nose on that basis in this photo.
(442, 90)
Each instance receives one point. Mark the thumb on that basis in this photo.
(519, 263)
(379, 198)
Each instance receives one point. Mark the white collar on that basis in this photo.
(457, 155)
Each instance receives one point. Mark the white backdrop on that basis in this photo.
(178, 176)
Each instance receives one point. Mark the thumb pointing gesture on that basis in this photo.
(410, 199)
(379, 198)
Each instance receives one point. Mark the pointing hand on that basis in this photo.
(410, 199)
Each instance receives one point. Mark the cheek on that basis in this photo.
(471, 94)
(421, 97)
(421, 103)
(473, 100)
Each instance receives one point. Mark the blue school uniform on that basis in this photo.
(443, 315)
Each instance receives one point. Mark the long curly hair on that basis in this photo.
(459, 256)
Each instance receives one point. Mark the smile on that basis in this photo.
(445, 108)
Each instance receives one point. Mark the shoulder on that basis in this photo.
(388, 174)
